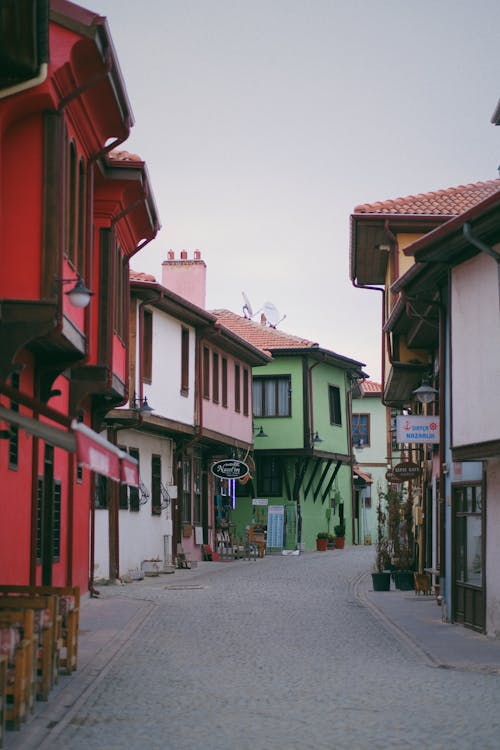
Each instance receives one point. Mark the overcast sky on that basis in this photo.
(265, 122)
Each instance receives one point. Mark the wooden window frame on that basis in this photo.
(260, 405)
(215, 377)
(133, 492)
(147, 346)
(224, 381)
(237, 387)
(357, 421)
(206, 372)
(197, 491)
(72, 203)
(246, 392)
(155, 484)
(184, 361)
(186, 490)
(269, 477)
(335, 405)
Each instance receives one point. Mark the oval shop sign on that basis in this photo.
(229, 469)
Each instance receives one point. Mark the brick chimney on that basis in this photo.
(186, 277)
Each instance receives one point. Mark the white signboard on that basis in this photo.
(413, 429)
(259, 501)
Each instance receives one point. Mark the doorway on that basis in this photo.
(468, 606)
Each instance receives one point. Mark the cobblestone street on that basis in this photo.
(265, 655)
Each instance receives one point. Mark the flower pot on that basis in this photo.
(321, 545)
(151, 567)
(403, 580)
(339, 542)
(381, 581)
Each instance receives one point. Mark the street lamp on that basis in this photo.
(78, 295)
(425, 393)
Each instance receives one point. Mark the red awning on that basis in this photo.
(92, 449)
(129, 470)
(361, 475)
(95, 452)
(101, 456)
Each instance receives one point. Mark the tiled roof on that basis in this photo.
(124, 156)
(139, 276)
(449, 202)
(369, 387)
(260, 335)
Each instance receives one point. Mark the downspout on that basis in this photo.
(442, 434)
(351, 462)
(311, 406)
(383, 337)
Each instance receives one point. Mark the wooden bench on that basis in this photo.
(16, 644)
(68, 608)
(46, 628)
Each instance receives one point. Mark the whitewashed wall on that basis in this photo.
(475, 348)
(164, 392)
(142, 535)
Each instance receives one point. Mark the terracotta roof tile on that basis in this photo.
(449, 202)
(370, 387)
(124, 156)
(262, 336)
(139, 276)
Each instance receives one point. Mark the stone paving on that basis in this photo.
(283, 652)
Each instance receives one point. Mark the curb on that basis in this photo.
(49, 720)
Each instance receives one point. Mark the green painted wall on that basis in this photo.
(287, 433)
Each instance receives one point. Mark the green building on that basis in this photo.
(301, 468)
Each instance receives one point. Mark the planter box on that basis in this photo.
(403, 580)
(151, 567)
(321, 545)
(339, 542)
(381, 581)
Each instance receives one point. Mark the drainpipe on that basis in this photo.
(311, 406)
(442, 434)
(382, 290)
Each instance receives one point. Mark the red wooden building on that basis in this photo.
(73, 210)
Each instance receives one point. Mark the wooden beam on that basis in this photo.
(331, 480)
(323, 475)
(311, 479)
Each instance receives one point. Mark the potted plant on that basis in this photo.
(402, 539)
(331, 541)
(381, 576)
(339, 530)
(322, 541)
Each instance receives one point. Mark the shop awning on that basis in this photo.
(360, 475)
(95, 452)
(92, 450)
(101, 456)
(129, 470)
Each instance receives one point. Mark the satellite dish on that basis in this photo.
(247, 307)
(272, 314)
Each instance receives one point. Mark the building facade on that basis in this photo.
(72, 213)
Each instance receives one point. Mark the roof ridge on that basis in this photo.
(452, 200)
(264, 329)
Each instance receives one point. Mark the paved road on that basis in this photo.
(267, 655)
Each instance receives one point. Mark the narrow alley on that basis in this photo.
(282, 652)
